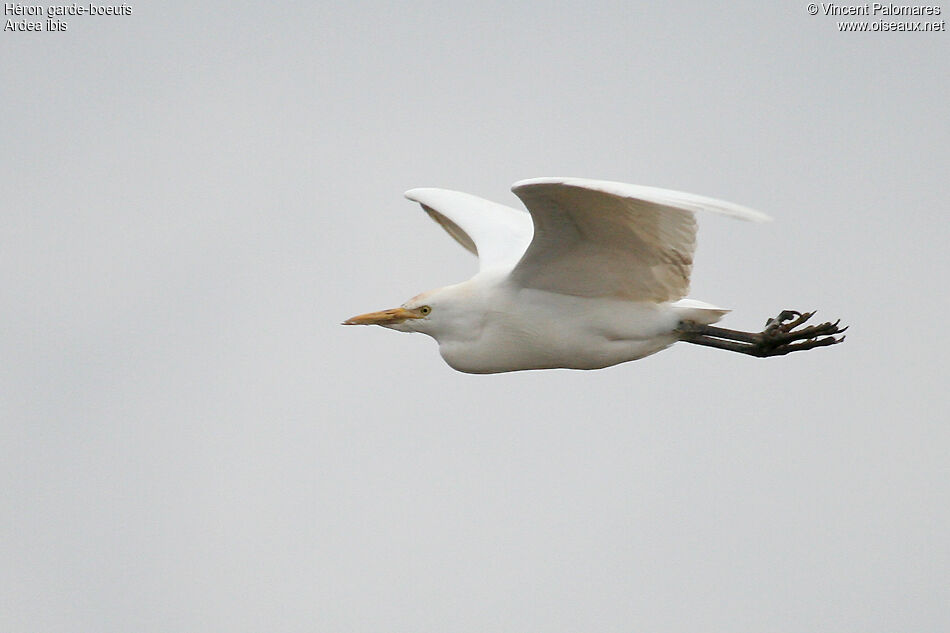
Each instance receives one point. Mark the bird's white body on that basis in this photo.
(500, 327)
(593, 277)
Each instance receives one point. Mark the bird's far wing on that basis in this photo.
(498, 234)
(608, 239)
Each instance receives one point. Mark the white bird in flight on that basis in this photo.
(595, 274)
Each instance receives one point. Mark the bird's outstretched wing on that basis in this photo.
(607, 239)
(498, 234)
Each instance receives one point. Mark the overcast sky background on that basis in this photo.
(194, 196)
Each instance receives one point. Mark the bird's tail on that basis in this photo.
(699, 311)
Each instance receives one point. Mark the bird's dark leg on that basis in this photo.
(777, 339)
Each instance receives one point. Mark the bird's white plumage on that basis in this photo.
(496, 233)
(596, 238)
(593, 275)
(654, 195)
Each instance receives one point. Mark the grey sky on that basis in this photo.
(195, 196)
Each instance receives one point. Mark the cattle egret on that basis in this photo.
(594, 274)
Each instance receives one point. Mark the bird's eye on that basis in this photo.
(424, 310)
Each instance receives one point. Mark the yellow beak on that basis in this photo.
(384, 317)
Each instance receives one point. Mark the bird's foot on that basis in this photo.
(784, 334)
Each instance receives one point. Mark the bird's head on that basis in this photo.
(415, 315)
(448, 311)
